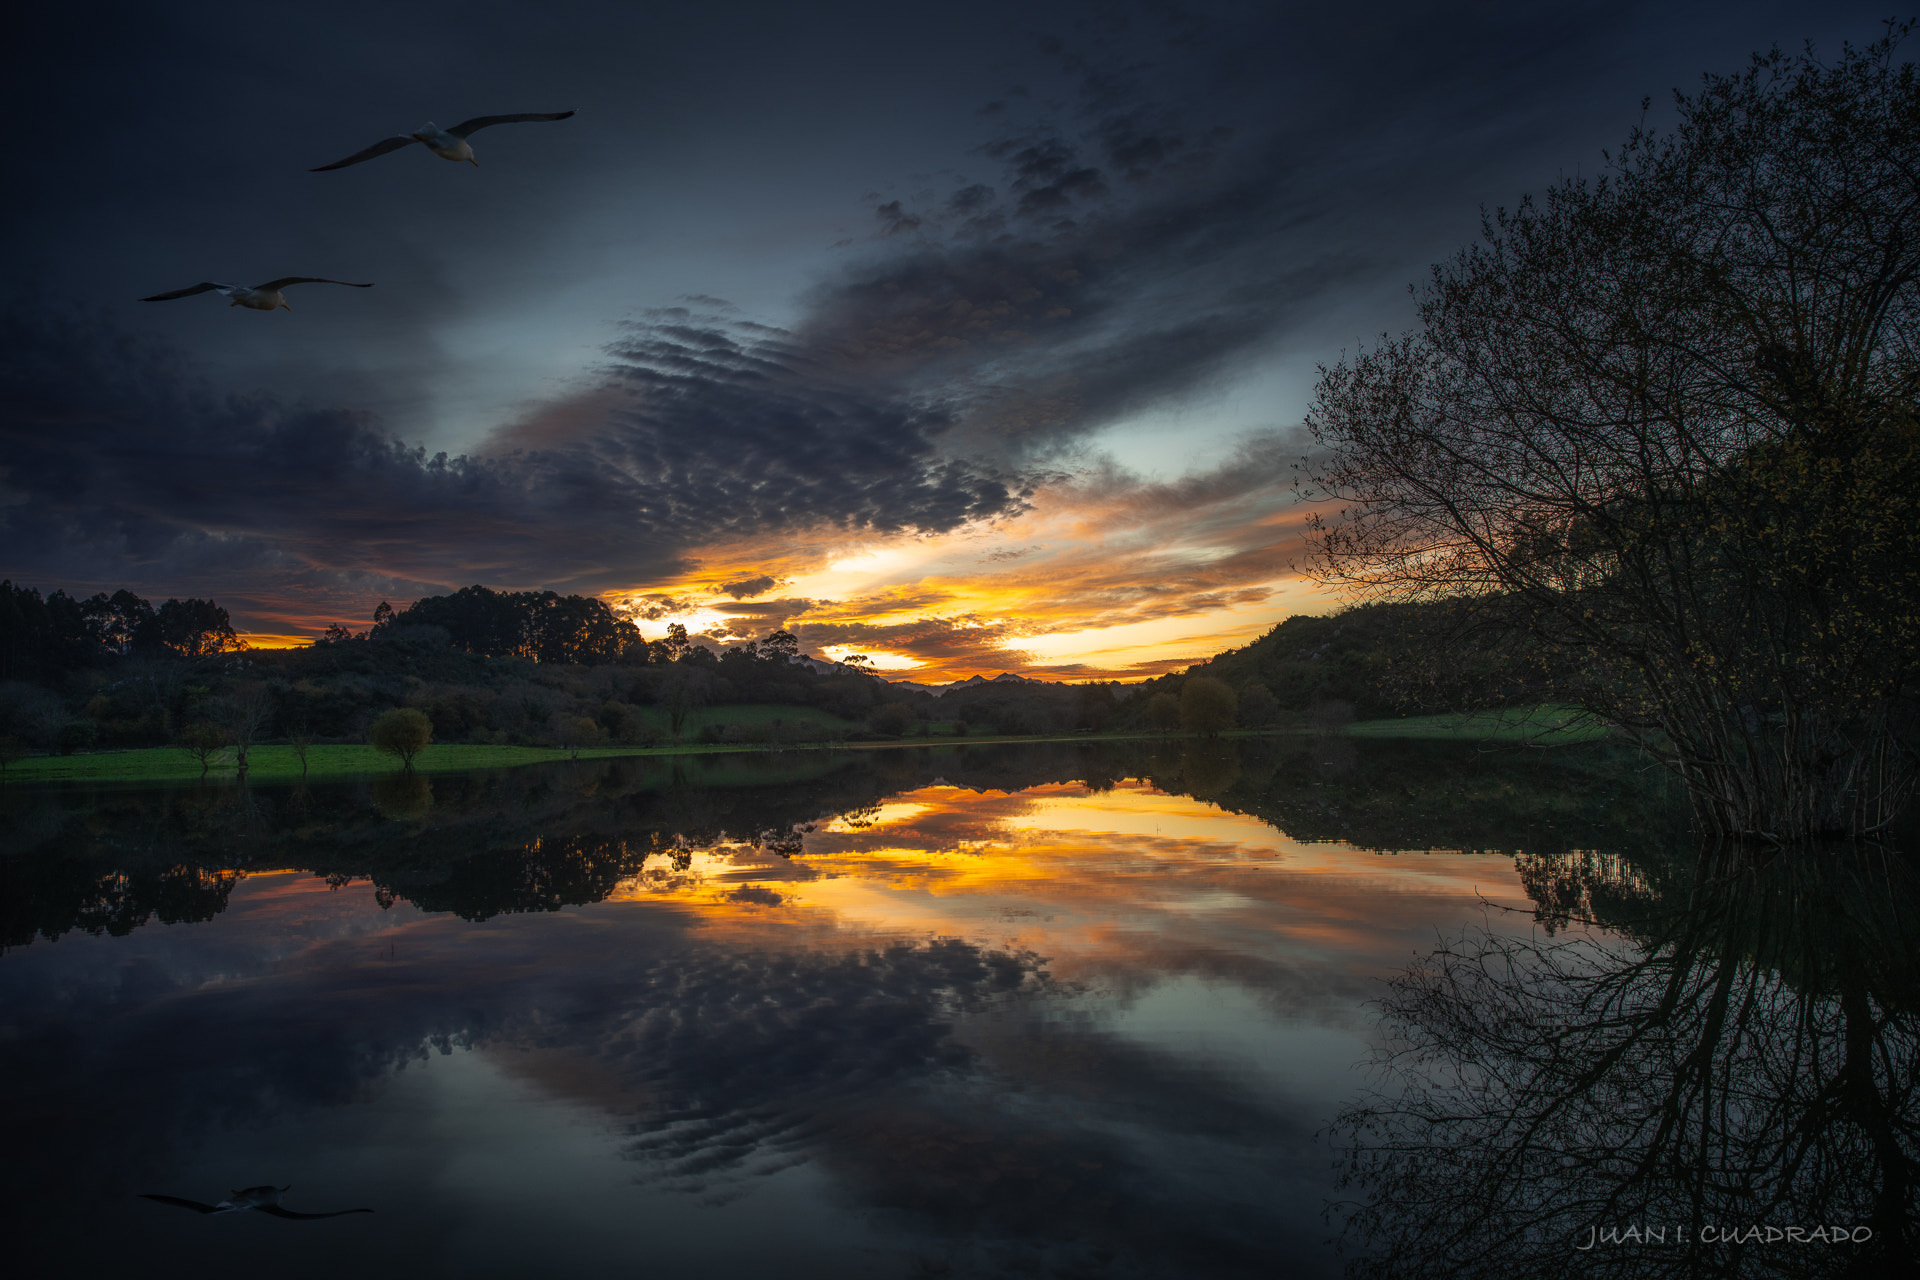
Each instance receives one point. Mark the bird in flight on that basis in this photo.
(265, 1199)
(448, 144)
(262, 297)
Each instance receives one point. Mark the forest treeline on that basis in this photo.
(537, 668)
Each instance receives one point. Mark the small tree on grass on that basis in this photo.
(203, 740)
(244, 713)
(301, 740)
(402, 733)
(1206, 706)
(574, 732)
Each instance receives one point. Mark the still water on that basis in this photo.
(1047, 1011)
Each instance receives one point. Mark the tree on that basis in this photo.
(1258, 709)
(203, 740)
(1206, 706)
(895, 719)
(196, 628)
(122, 622)
(574, 732)
(1163, 712)
(403, 733)
(686, 690)
(243, 713)
(1663, 422)
(301, 740)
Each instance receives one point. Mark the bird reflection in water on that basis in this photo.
(1679, 1072)
(265, 1199)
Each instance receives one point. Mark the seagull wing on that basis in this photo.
(478, 123)
(278, 1212)
(202, 287)
(379, 148)
(194, 1205)
(284, 281)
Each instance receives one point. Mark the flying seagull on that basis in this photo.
(265, 1199)
(448, 144)
(262, 297)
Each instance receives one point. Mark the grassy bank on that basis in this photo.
(1542, 726)
(1545, 726)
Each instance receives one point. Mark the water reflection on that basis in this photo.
(980, 1011)
(1714, 1075)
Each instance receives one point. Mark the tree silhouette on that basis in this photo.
(1664, 422)
(203, 740)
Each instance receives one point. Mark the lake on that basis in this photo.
(1043, 1010)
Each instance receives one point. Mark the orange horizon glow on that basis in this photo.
(1097, 580)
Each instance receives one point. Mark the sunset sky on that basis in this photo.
(973, 337)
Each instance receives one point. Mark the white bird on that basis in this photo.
(265, 1199)
(448, 144)
(262, 297)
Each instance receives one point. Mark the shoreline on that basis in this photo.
(276, 762)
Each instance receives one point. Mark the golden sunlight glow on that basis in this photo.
(269, 640)
(1090, 583)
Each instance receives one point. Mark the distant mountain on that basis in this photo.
(971, 682)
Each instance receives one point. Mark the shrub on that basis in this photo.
(894, 719)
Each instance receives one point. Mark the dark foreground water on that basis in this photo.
(1148, 1011)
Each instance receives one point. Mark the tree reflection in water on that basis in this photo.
(1740, 1054)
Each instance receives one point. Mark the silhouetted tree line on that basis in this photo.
(543, 669)
(47, 637)
(540, 626)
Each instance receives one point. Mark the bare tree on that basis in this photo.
(302, 740)
(1664, 421)
(203, 740)
(244, 714)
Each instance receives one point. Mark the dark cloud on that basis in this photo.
(894, 220)
(119, 465)
(1177, 194)
(749, 587)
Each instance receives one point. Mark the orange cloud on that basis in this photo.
(1106, 576)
